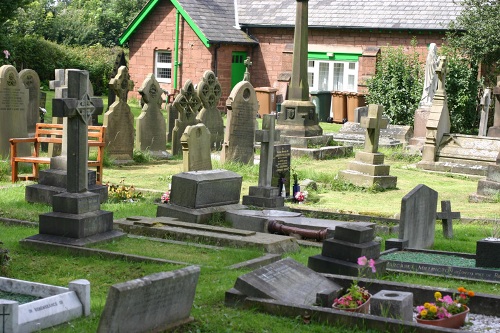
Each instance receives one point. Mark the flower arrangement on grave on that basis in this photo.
(121, 192)
(445, 306)
(165, 197)
(356, 296)
(300, 196)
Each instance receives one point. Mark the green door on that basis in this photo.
(237, 67)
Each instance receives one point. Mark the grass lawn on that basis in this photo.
(153, 177)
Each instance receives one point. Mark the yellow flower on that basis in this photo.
(433, 309)
(427, 305)
(437, 295)
(423, 313)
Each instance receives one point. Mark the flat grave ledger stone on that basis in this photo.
(32, 82)
(14, 101)
(281, 167)
(288, 281)
(209, 91)
(154, 303)
(119, 120)
(50, 305)
(151, 127)
(418, 217)
(188, 105)
(196, 148)
(242, 107)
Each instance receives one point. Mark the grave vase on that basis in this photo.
(363, 308)
(455, 321)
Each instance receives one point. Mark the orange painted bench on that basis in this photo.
(52, 133)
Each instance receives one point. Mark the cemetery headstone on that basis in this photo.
(119, 62)
(298, 114)
(369, 169)
(447, 217)
(340, 254)
(209, 91)
(242, 107)
(59, 80)
(150, 125)
(265, 195)
(285, 280)
(485, 109)
(76, 218)
(418, 217)
(32, 82)
(188, 105)
(196, 148)
(281, 168)
(489, 187)
(14, 100)
(119, 120)
(154, 303)
(494, 130)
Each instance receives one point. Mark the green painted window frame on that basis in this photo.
(354, 57)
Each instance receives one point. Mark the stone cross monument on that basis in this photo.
(373, 123)
(209, 91)
(298, 114)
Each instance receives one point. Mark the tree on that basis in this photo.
(476, 31)
(7, 8)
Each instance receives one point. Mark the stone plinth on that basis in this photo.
(392, 304)
(368, 170)
(266, 197)
(489, 187)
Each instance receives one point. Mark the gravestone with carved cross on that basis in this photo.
(264, 195)
(119, 120)
(150, 125)
(188, 105)
(368, 169)
(209, 91)
(76, 218)
(447, 217)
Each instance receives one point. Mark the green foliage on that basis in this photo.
(4, 259)
(121, 192)
(397, 84)
(142, 156)
(4, 170)
(461, 89)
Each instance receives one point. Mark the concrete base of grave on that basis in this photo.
(365, 180)
(165, 227)
(305, 141)
(323, 153)
(474, 197)
(324, 264)
(193, 215)
(477, 170)
(76, 225)
(266, 197)
(82, 242)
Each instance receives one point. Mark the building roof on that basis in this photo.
(361, 14)
(214, 20)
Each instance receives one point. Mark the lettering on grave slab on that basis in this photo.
(281, 167)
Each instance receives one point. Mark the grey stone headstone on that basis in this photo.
(418, 217)
(119, 120)
(13, 110)
(209, 91)
(200, 189)
(287, 281)
(196, 148)
(242, 107)
(153, 303)
(32, 82)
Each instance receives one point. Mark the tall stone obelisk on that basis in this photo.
(298, 114)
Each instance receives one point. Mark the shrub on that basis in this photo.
(397, 84)
(4, 258)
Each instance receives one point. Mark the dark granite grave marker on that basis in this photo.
(447, 217)
(281, 167)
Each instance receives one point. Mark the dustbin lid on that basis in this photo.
(320, 92)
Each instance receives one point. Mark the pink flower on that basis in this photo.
(362, 261)
(7, 54)
(447, 299)
(371, 263)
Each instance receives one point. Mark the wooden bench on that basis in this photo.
(52, 133)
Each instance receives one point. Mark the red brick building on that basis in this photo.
(178, 40)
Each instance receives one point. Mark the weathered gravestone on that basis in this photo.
(447, 216)
(150, 125)
(242, 106)
(154, 303)
(209, 91)
(13, 110)
(485, 109)
(418, 217)
(196, 148)
(340, 254)
(494, 130)
(76, 218)
(196, 195)
(119, 62)
(59, 80)
(281, 168)
(32, 82)
(54, 180)
(369, 169)
(188, 105)
(119, 120)
(265, 195)
(287, 281)
(489, 187)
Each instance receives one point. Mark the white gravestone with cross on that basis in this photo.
(264, 195)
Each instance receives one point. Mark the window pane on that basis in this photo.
(324, 69)
(164, 57)
(352, 65)
(350, 83)
(310, 79)
(163, 73)
(338, 76)
(310, 63)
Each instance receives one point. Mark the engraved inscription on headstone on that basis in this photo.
(281, 167)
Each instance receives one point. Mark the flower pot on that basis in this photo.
(296, 188)
(455, 321)
(363, 308)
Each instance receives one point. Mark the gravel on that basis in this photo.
(479, 323)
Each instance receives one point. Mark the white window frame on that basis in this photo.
(313, 67)
(162, 65)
